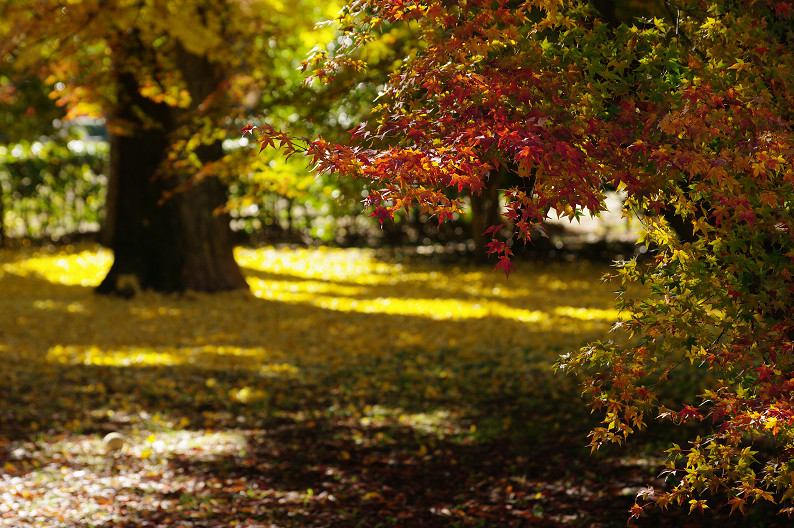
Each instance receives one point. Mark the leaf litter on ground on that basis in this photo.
(345, 389)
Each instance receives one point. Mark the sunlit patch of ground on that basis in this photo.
(316, 312)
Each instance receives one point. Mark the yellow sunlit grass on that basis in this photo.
(316, 314)
(314, 306)
(84, 268)
(333, 279)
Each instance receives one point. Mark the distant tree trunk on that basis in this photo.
(606, 8)
(2, 218)
(485, 213)
(174, 244)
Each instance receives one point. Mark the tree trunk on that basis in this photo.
(172, 244)
(485, 213)
(2, 218)
(606, 8)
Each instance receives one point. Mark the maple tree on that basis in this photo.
(170, 79)
(690, 115)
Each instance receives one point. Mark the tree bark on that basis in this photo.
(167, 244)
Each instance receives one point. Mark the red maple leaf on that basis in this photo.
(506, 265)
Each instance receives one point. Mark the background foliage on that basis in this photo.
(52, 188)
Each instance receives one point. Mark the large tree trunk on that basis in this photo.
(172, 244)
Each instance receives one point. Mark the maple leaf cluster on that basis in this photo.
(691, 117)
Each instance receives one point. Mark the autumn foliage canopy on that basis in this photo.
(690, 114)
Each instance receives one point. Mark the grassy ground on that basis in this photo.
(346, 390)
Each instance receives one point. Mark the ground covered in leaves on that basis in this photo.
(345, 390)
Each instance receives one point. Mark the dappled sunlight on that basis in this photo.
(49, 304)
(434, 308)
(589, 314)
(84, 268)
(207, 356)
(196, 444)
(436, 423)
(342, 280)
(374, 328)
(354, 266)
(290, 291)
(75, 482)
(350, 292)
(152, 312)
(314, 271)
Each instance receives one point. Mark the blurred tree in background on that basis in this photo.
(172, 80)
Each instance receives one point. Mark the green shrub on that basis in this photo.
(53, 187)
